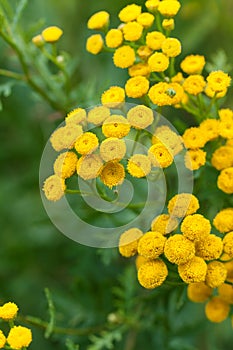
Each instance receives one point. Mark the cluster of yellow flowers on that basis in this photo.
(19, 337)
(188, 252)
(143, 45)
(105, 152)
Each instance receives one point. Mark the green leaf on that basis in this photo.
(71, 345)
(106, 339)
(18, 12)
(51, 310)
(219, 61)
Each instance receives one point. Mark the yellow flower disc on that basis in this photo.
(124, 57)
(178, 249)
(169, 8)
(145, 19)
(151, 245)
(88, 167)
(225, 180)
(86, 143)
(154, 40)
(8, 311)
(193, 64)
(113, 97)
(152, 5)
(76, 116)
(228, 244)
(164, 94)
(198, 292)
(210, 127)
(225, 292)
(193, 271)
(194, 138)
(97, 115)
(213, 94)
(226, 129)
(158, 62)
(137, 87)
(132, 31)
(195, 227)
(169, 138)
(65, 164)
(223, 221)
(112, 174)
(140, 117)
(222, 157)
(114, 38)
(217, 310)
(112, 149)
(99, 20)
(144, 52)
(2, 340)
(139, 69)
(216, 274)
(210, 247)
(65, 137)
(128, 242)
(183, 204)
(160, 156)
(19, 337)
(52, 34)
(168, 23)
(54, 188)
(218, 81)
(152, 274)
(116, 126)
(139, 165)
(225, 114)
(194, 84)
(171, 47)
(194, 159)
(164, 224)
(94, 44)
(129, 13)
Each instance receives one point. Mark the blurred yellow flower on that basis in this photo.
(52, 34)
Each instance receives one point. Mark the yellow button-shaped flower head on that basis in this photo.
(124, 57)
(137, 87)
(113, 97)
(223, 221)
(52, 34)
(228, 244)
(114, 38)
(98, 114)
(19, 337)
(218, 81)
(152, 274)
(112, 174)
(128, 242)
(193, 64)
(210, 247)
(129, 13)
(169, 8)
(217, 310)
(140, 117)
(112, 148)
(151, 245)
(195, 227)
(154, 40)
(178, 249)
(164, 224)
(86, 143)
(225, 180)
(65, 164)
(216, 274)
(2, 340)
(193, 271)
(160, 155)
(99, 20)
(8, 311)
(139, 165)
(95, 44)
(132, 31)
(54, 187)
(171, 47)
(89, 166)
(183, 204)
(198, 292)
(116, 126)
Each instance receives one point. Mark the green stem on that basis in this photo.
(172, 71)
(13, 75)
(138, 133)
(158, 22)
(78, 192)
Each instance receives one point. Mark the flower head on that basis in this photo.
(129, 13)
(164, 224)
(194, 84)
(195, 227)
(116, 126)
(52, 34)
(97, 115)
(195, 158)
(169, 8)
(193, 64)
(2, 340)
(65, 164)
(222, 157)
(168, 23)
(19, 337)
(128, 242)
(228, 244)
(8, 311)
(38, 40)
(209, 248)
(166, 94)
(86, 143)
(139, 165)
(152, 5)
(65, 137)
(160, 156)
(144, 52)
(171, 47)
(193, 271)
(225, 292)
(145, 19)
(183, 204)
(210, 127)
(124, 57)
(216, 274)
(152, 274)
(140, 117)
(54, 188)
(178, 249)
(139, 69)
(137, 87)
(169, 138)
(158, 62)
(132, 31)
(223, 221)
(76, 116)
(198, 292)
(226, 128)
(151, 245)
(154, 40)
(112, 174)
(94, 44)
(217, 310)
(194, 138)
(88, 166)
(99, 20)
(225, 180)
(113, 97)
(112, 149)
(114, 38)
(218, 81)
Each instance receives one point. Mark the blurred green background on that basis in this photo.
(33, 254)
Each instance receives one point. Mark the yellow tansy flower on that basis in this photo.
(225, 114)
(223, 221)
(2, 340)
(113, 97)
(193, 271)
(128, 242)
(194, 84)
(65, 164)
(210, 127)
(164, 224)
(140, 260)
(88, 166)
(183, 204)
(154, 40)
(65, 137)
(225, 180)
(151, 245)
(139, 165)
(54, 188)
(160, 156)
(76, 116)
(19, 337)
(132, 31)
(144, 52)
(140, 117)
(99, 20)
(124, 57)
(152, 5)
(52, 34)
(86, 143)
(152, 274)
(178, 249)
(218, 81)
(164, 94)
(8, 311)
(112, 174)
(38, 40)
(97, 115)
(217, 310)
(222, 157)
(213, 94)
(139, 69)
(216, 274)
(137, 86)
(210, 247)
(226, 128)
(195, 158)
(114, 38)
(129, 13)
(225, 292)
(95, 44)
(198, 292)
(194, 138)
(195, 227)
(169, 8)
(168, 23)
(171, 47)
(116, 126)
(228, 244)
(112, 149)
(145, 19)
(169, 138)
(158, 62)
(193, 64)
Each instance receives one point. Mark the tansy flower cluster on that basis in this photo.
(18, 337)
(180, 247)
(105, 153)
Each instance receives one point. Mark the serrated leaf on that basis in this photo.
(219, 61)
